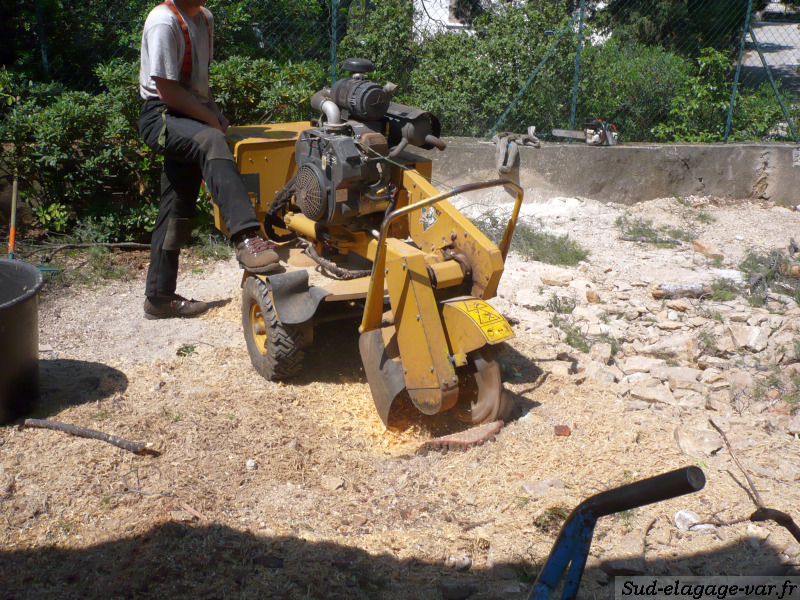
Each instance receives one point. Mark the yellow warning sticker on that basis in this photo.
(491, 322)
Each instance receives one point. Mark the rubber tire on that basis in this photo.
(281, 355)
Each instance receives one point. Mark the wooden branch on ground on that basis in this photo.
(668, 291)
(649, 240)
(762, 513)
(135, 447)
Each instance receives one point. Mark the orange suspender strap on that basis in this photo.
(186, 66)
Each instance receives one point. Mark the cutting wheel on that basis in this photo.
(480, 396)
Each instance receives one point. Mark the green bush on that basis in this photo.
(382, 33)
(700, 111)
(258, 91)
(631, 85)
(81, 160)
(79, 156)
(468, 79)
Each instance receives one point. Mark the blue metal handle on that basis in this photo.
(572, 545)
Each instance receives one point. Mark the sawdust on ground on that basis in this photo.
(296, 490)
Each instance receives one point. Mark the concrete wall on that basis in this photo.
(631, 173)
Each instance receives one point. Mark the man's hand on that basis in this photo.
(223, 121)
(174, 95)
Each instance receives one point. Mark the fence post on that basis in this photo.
(42, 35)
(738, 70)
(772, 82)
(334, 37)
(577, 68)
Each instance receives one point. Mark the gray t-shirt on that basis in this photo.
(163, 48)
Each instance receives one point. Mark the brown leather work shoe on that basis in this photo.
(256, 254)
(173, 307)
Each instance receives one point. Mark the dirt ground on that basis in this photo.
(296, 489)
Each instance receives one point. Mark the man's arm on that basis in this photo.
(174, 95)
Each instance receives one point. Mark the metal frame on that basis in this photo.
(373, 310)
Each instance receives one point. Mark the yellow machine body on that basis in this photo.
(430, 271)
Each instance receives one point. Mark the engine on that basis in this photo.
(343, 163)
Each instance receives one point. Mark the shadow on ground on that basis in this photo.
(64, 383)
(181, 561)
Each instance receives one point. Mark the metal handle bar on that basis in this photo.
(647, 491)
(571, 548)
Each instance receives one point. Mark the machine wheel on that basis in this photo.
(480, 395)
(276, 350)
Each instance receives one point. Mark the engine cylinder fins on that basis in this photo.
(311, 196)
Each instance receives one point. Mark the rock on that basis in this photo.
(738, 317)
(641, 380)
(332, 483)
(251, 464)
(586, 313)
(561, 370)
(740, 381)
(563, 431)
(679, 305)
(752, 338)
(512, 591)
(696, 321)
(696, 442)
(719, 402)
(757, 535)
(623, 285)
(457, 590)
(532, 300)
(601, 353)
(689, 399)
(637, 405)
(686, 520)
(359, 521)
(598, 372)
(792, 550)
(642, 364)
(592, 297)
(181, 516)
(708, 249)
(794, 426)
(459, 563)
(683, 378)
(655, 394)
(725, 344)
(556, 278)
(537, 489)
(669, 325)
(706, 362)
(671, 347)
(711, 375)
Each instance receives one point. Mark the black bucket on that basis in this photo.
(19, 338)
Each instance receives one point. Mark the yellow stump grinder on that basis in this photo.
(363, 233)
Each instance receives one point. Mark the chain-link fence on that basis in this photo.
(673, 70)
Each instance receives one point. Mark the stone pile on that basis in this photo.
(686, 354)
